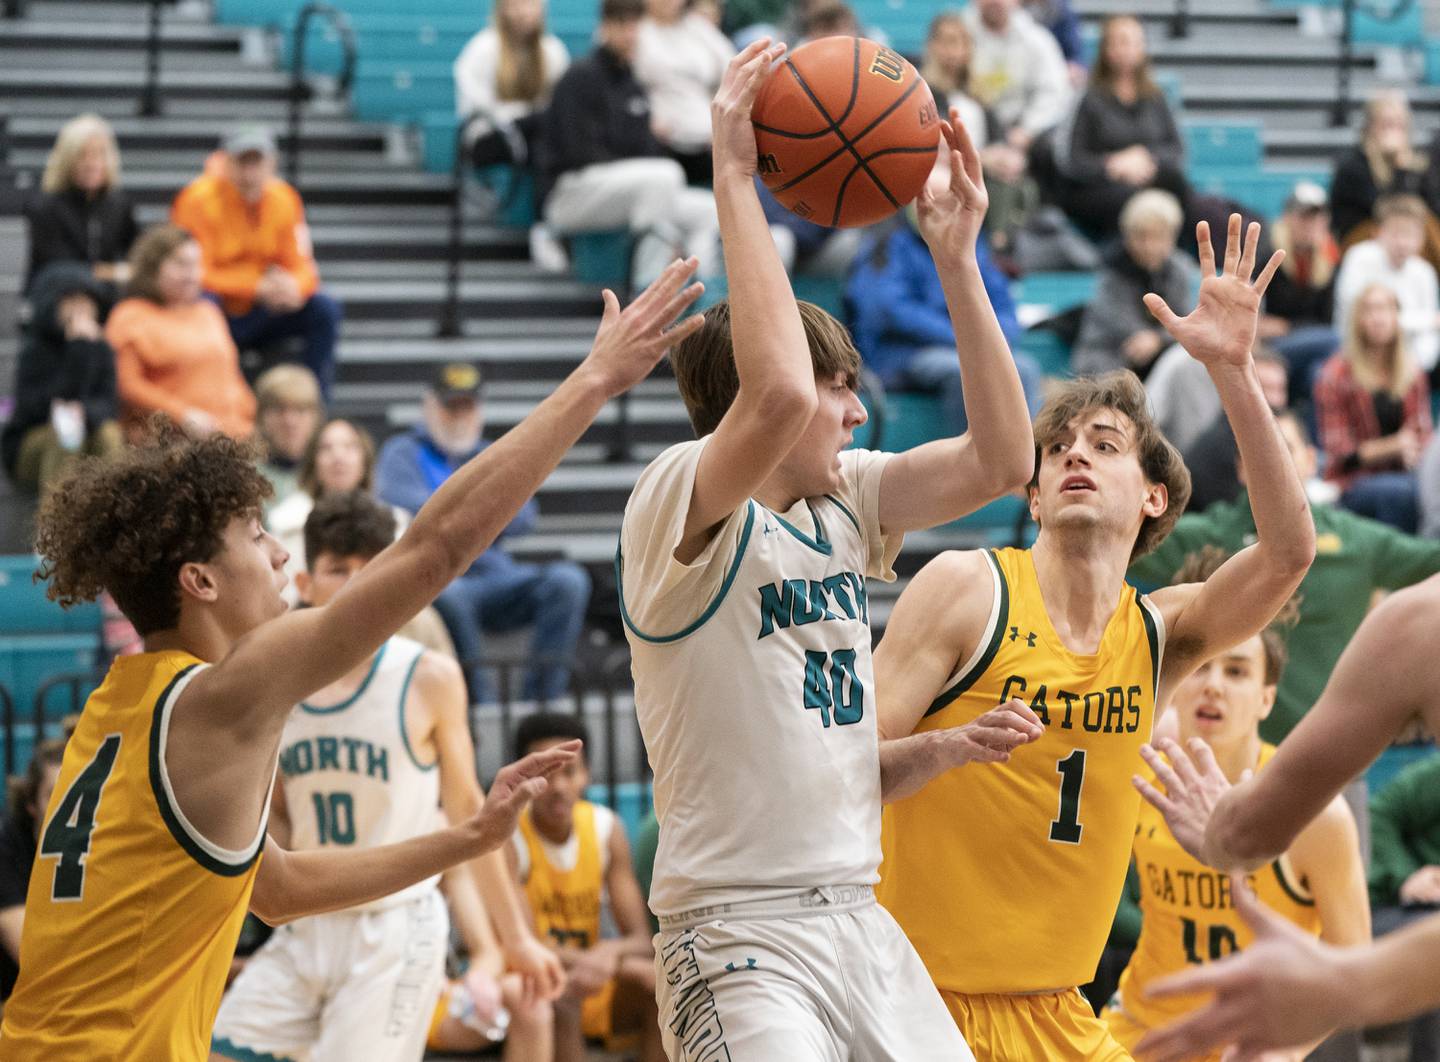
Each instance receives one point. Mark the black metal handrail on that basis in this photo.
(1180, 21)
(74, 680)
(150, 93)
(1340, 113)
(300, 89)
(7, 710)
(449, 326)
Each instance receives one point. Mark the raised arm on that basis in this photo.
(283, 661)
(1381, 683)
(936, 625)
(944, 480)
(777, 395)
(291, 885)
(1246, 592)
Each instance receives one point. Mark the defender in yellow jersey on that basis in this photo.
(1006, 880)
(151, 849)
(1189, 908)
(574, 858)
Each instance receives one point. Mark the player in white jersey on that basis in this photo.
(366, 762)
(744, 563)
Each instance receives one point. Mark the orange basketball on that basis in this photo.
(846, 131)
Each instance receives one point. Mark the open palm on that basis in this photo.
(1221, 328)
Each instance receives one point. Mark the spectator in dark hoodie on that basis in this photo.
(65, 397)
(80, 214)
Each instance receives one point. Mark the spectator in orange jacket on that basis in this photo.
(173, 353)
(258, 262)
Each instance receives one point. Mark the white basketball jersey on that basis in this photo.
(758, 713)
(349, 775)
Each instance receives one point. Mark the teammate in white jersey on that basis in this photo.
(743, 563)
(366, 762)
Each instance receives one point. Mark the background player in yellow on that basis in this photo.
(1189, 912)
(1289, 989)
(151, 851)
(1006, 880)
(574, 858)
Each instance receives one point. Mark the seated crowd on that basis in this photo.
(217, 321)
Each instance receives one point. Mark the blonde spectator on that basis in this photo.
(1385, 162)
(1373, 407)
(290, 412)
(81, 213)
(173, 351)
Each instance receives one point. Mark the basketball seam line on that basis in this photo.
(849, 144)
(833, 127)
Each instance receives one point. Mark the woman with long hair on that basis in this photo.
(173, 351)
(506, 72)
(1121, 137)
(1383, 163)
(680, 58)
(1373, 407)
(81, 214)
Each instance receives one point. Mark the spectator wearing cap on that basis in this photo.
(498, 593)
(601, 165)
(259, 265)
(66, 405)
(81, 214)
(1300, 302)
(290, 412)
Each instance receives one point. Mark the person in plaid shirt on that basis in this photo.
(1373, 407)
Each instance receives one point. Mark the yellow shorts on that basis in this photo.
(1129, 1031)
(597, 1013)
(1056, 1026)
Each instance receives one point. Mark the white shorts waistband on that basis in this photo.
(821, 900)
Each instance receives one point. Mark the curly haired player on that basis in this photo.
(154, 845)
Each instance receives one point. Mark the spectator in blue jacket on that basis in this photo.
(498, 593)
(901, 326)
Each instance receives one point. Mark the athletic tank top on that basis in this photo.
(566, 902)
(1006, 876)
(759, 716)
(1189, 913)
(349, 774)
(132, 916)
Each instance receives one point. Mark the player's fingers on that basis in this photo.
(681, 329)
(1205, 249)
(539, 764)
(1023, 710)
(1226, 975)
(671, 279)
(1268, 273)
(1154, 796)
(1204, 758)
(1232, 245)
(1163, 770)
(1252, 248)
(1199, 1031)
(1182, 764)
(1160, 310)
(678, 303)
(754, 74)
(965, 146)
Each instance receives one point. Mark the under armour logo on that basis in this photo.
(1029, 637)
(749, 965)
(769, 529)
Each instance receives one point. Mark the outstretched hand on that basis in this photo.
(1193, 785)
(950, 218)
(732, 137)
(1284, 990)
(1221, 328)
(991, 737)
(514, 787)
(630, 342)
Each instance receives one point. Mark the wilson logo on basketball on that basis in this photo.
(928, 113)
(769, 165)
(804, 210)
(888, 64)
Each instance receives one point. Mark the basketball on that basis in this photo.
(846, 132)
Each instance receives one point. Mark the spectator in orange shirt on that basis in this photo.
(173, 351)
(258, 262)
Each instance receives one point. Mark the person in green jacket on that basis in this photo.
(1354, 557)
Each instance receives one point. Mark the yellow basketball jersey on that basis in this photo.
(1190, 914)
(132, 916)
(1006, 877)
(566, 902)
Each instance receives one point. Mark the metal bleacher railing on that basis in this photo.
(1376, 11)
(301, 90)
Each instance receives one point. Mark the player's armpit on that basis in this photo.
(936, 624)
(1326, 856)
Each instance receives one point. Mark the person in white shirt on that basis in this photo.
(1393, 259)
(680, 59)
(1017, 70)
